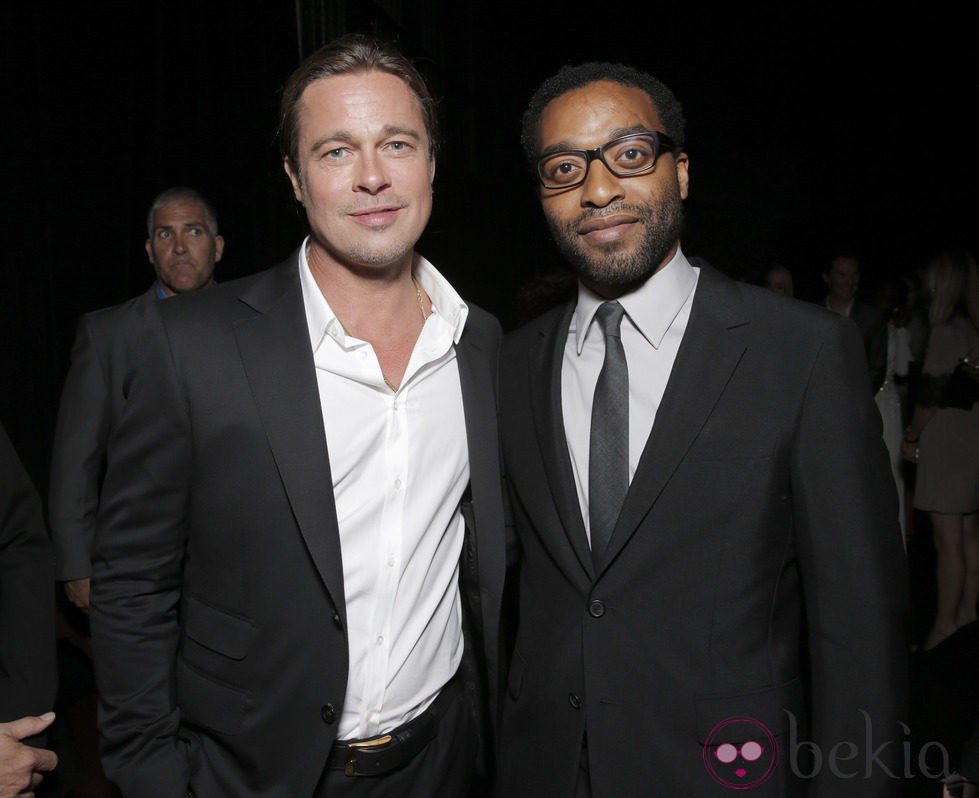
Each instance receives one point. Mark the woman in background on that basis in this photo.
(943, 439)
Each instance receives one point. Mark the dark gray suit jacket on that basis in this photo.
(218, 612)
(91, 402)
(762, 506)
(27, 650)
(873, 330)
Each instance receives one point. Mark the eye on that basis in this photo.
(562, 169)
(164, 234)
(196, 231)
(751, 751)
(633, 153)
(398, 146)
(336, 154)
(726, 752)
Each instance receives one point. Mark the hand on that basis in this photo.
(20, 765)
(77, 591)
(960, 789)
(909, 451)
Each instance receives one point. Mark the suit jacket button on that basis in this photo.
(596, 609)
(336, 620)
(328, 713)
(574, 701)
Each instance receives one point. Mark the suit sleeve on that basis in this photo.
(78, 457)
(27, 648)
(136, 579)
(853, 572)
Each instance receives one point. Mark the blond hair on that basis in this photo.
(953, 279)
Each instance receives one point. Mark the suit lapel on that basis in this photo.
(544, 363)
(278, 360)
(477, 373)
(476, 357)
(707, 357)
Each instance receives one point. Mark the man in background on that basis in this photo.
(842, 278)
(183, 245)
(27, 648)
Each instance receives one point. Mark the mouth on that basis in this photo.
(600, 229)
(376, 217)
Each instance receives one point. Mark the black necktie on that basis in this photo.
(608, 460)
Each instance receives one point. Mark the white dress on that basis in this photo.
(889, 403)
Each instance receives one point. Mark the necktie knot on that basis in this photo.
(609, 318)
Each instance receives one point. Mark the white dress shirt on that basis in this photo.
(400, 465)
(656, 316)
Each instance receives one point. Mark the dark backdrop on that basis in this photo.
(807, 125)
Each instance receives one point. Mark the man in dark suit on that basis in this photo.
(300, 554)
(842, 278)
(711, 585)
(27, 662)
(183, 245)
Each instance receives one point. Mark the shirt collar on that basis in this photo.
(651, 308)
(322, 321)
(845, 311)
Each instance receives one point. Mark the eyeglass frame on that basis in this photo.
(661, 143)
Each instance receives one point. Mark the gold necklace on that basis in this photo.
(421, 309)
(421, 304)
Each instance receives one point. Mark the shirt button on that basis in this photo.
(397, 484)
(574, 701)
(596, 609)
(328, 713)
(380, 640)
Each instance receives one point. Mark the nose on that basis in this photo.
(601, 187)
(180, 242)
(371, 175)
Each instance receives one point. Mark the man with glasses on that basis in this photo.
(711, 589)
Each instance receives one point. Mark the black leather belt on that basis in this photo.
(379, 755)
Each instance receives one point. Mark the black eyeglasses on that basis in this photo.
(626, 156)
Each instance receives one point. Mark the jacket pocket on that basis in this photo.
(216, 629)
(771, 709)
(209, 703)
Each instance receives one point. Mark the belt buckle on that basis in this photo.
(365, 746)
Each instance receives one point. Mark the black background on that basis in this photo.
(808, 126)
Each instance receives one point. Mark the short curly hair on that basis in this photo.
(569, 78)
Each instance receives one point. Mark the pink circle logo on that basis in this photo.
(740, 753)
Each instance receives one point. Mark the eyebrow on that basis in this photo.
(617, 133)
(346, 137)
(159, 227)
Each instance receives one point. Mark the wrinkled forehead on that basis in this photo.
(355, 99)
(183, 213)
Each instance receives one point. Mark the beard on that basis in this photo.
(621, 264)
